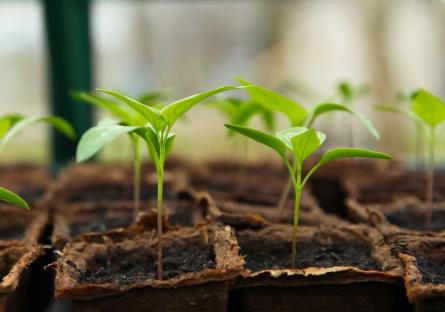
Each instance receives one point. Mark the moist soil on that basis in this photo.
(122, 267)
(278, 256)
(429, 255)
(413, 220)
(13, 227)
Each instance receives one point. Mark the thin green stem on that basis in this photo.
(136, 177)
(160, 174)
(430, 180)
(298, 189)
(285, 193)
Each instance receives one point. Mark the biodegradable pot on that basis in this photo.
(384, 188)
(104, 184)
(22, 225)
(423, 258)
(253, 215)
(112, 275)
(401, 214)
(328, 182)
(29, 181)
(15, 261)
(80, 218)
(346, 268)
(230, 180)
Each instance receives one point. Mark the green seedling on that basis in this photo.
(299, 116)
(427, 111)
(13, 124)
(240, 111)
(125, 116)
(156, 132)
(301, 142)
(405, 98)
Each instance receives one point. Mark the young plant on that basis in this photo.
(348, 94)
(126, 116)
(301, 142)
(156, 133)
(239, 111)
(299, 116)
(10, 126)
(406, 98)
(428, 112)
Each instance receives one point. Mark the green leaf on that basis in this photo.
(301, 141)
(286, 135)
(169, 144)
(398, 110)
(348, 92)
(152, 115)
(228, 106)
(59, 124)
(306, 143)
(7, 121)
(106, 104)
(96, 138)
(428, 108)
(324, 108)
(12, 198)
(153, 98)
(268, 119)
(178, 108)
(261, 137)
(350, 152)
(274, 101)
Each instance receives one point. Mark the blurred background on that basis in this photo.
(303, 48)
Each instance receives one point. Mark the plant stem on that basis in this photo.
(160, 174)
(298, 189)
(430, 181)
(137, 178)
(285, 194)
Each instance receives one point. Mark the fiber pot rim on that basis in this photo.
(11, 281)
(416, 289)
(391, 272)
(228, 265)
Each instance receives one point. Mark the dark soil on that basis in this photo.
(100, 225)
(277, 255)
(429, 254)
(415, 220)
(122, 267)
(15, 224)
(432, 269)
(110, 193)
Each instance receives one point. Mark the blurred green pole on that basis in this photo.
(68, 43)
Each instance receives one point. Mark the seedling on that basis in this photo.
(406, 98)
(156, 133)
(301, 142)
(299, 116)
(428, 111)
(240, 111)
(126, 116)
(10, 126)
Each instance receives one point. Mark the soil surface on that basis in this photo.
(413, 220)
(269, 254)
(433, 270)
(15, 224)
(125, 267)
(429, 253)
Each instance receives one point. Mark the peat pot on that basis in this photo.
(344, 268)
(119, 272)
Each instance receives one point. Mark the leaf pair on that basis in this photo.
(13, 124)
(150, 123)
(303, 142)
(239, 112)
(296, 113)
